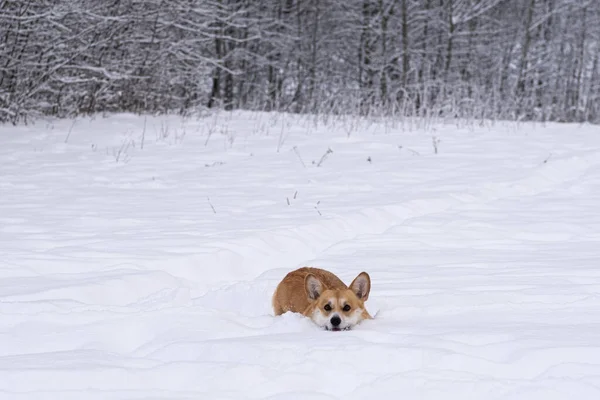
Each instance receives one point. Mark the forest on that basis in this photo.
(529, 60)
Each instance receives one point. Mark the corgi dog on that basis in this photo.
(324, 298)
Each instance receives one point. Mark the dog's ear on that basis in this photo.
(361, 286)
(313, 286)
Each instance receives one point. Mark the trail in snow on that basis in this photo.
(147, 273)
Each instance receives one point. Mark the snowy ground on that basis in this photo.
(147, 273)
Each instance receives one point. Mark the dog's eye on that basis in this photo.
(347, 307)
(327, 307)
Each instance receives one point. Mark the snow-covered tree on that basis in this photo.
(513, 59)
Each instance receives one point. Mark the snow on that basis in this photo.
(139, 256)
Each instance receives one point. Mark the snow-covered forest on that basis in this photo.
(509, 59)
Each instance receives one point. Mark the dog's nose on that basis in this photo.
(335, 321)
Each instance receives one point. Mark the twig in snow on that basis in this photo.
(317, 208)
(211, 206)
(164, 131)
(294, 198)
(70, 130)
(179, 137)
(211, 129)
(281, 138)
(214, 164)
(415, 153)
(299, 157)
(122, 152)
(436, 141)
(143, 133)
(329, 151)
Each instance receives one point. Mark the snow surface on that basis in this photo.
(139, 256)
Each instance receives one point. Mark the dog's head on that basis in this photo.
(338, 309)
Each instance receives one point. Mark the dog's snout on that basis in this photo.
(336, 321)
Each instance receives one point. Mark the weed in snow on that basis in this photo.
(328, 152)
(436, 142)
(299, 157)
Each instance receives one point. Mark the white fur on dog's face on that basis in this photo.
(349, 319)
(345, 304)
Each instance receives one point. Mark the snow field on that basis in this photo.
(147, 273)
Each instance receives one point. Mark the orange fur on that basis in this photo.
(320, 295)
